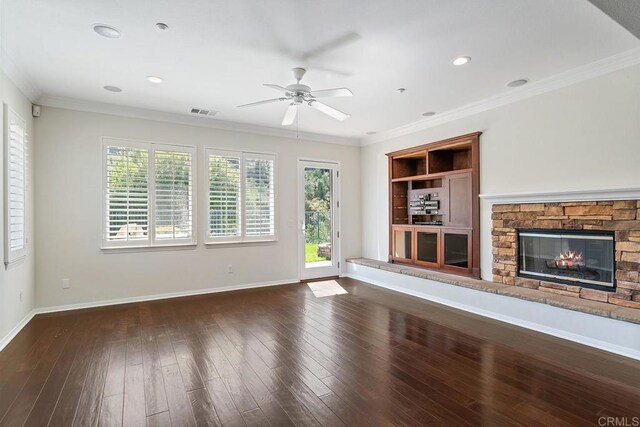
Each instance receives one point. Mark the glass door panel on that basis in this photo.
(427, 248)
(402, 244)
(456, 249)
(574, 256)
(318, 183)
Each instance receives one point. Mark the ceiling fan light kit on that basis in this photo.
(298, 94)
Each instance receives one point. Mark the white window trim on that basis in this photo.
(242, 238)
(151, 242)
(10, 116)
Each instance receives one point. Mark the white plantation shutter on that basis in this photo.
(127, 194)
(223, 210)
(149, 194)
(173, 169)
(259, 195)
(241, 196)
(15, 187)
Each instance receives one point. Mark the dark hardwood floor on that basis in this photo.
(280, 356)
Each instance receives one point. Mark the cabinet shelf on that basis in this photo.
(439, 227)
(430, 176)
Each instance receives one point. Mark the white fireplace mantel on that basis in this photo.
(564, 196)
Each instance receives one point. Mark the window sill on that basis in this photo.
(8, 265)
(260, 242)
(125, 249)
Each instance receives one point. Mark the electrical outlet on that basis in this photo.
(230, 268)
(66, 283)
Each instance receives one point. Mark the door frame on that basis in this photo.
(335, 269)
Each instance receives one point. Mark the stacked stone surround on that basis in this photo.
(622, 217)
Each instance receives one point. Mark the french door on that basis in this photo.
(319, 247)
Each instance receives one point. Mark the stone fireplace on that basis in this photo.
(588, 250)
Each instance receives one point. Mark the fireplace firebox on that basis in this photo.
(575, 257)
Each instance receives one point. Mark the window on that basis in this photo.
(173, 194)
(241, 195)
(149, 194)
(259, 195)
(15, 187)
(224, 195)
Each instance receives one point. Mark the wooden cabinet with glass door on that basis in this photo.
(402, 242)
(428, 248)
(446, 249)
(456, 250)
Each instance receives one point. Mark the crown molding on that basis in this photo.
(143, 113)
(19, 77)
(564, 196)
(567, 78)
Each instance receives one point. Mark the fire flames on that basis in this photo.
(569, 258)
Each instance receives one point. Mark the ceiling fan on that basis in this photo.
(298, 94)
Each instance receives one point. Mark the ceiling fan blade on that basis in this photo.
(329, 111)
(268, 101)
(340, 91)
(333, 44)
(290, 115)
(330, 70)
(276, 87)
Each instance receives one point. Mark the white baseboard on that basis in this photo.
(12, 334)
(607, 334)
(142, 298)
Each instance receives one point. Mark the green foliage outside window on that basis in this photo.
(317, 205)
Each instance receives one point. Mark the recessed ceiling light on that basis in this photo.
(401, 89)
(113, 88)
(519, 82)
(371, 133)
(429, 114)
(106, 31)
(154, 79)
(461, 60)
(162, 26)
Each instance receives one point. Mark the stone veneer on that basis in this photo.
(622, 216)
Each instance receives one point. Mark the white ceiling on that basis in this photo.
(217, 54)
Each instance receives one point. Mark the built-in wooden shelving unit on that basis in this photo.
(434, 208)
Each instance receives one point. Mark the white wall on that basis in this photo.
(19, 276)
(68, 216)
(581, 137)
(584, 136)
